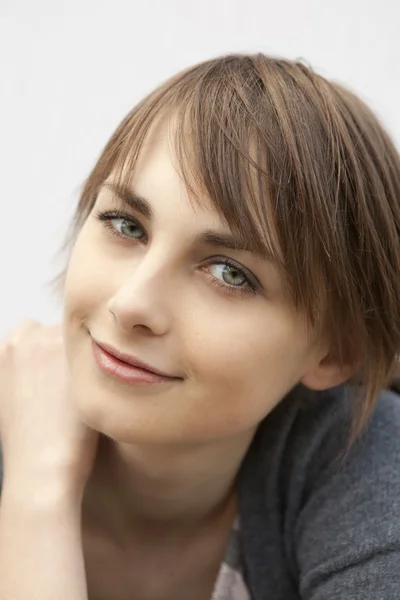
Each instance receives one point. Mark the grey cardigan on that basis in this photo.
(316, 526)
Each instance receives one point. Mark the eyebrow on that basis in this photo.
(209, 237)
(134, 201)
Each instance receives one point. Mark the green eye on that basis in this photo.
(128, 228)
(231, 277)
(229, 274)
(121, 225)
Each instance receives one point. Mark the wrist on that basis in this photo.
(40, 486)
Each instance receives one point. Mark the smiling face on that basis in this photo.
(158, 277)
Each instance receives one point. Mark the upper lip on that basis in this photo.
(132, 360)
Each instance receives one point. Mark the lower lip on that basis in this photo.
(125, 372)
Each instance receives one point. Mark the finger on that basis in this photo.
(21, 331)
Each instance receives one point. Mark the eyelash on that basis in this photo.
(250, 288)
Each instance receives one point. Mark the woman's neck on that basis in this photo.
(152, 490)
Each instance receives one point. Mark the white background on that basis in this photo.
(69, 71)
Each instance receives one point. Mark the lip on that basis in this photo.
(126, 367)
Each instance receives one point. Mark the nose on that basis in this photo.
(141, 300)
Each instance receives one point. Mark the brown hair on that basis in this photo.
(300, 168)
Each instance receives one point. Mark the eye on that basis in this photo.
(122, 225)
(127, 228)
(231, 277)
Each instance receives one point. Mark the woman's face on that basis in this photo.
(168, 292)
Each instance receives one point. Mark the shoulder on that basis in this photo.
(311, 430)
(347, 530)
(338, 512)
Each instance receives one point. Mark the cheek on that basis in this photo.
(248, 362)
(86, 286)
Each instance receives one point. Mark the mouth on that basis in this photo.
(127, 368)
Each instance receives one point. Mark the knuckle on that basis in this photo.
(30, 343)
(21, 331)
(18, 336)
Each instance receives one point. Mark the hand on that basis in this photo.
(40, 429)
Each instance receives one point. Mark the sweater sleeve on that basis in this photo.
(347, 534)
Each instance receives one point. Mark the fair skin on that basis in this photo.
(158, 496)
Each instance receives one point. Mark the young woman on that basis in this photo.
(209, 421)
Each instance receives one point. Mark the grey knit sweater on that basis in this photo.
(317, 526)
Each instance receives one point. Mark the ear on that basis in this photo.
(327, 373)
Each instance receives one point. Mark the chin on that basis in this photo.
(122, 412)
(128, 415)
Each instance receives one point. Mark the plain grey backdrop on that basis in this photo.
(70, 70)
